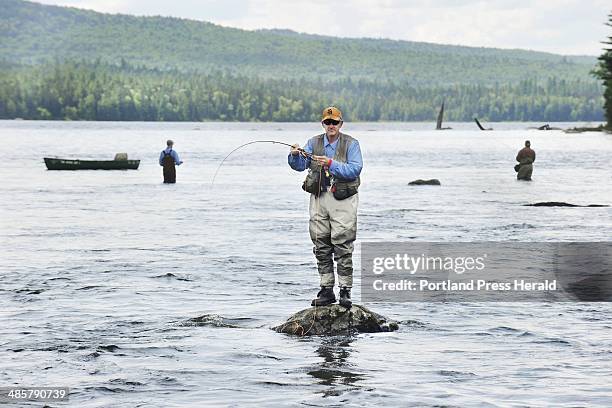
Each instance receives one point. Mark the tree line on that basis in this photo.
(71, 90)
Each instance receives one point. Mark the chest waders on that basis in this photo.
(525, 166)
(525, 169)
(333, 222)
(169, 168)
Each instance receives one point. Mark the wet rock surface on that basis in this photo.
(334, 320)
(561, 204)
(420, 182)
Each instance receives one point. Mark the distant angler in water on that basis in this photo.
(526, 156)
(167, 159)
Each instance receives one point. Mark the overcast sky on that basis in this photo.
(574, 27)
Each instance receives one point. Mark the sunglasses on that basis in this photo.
(331, 122)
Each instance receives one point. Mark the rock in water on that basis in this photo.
(561, 204)
(335, 319)
(419, 182)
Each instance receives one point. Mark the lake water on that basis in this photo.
(102, 270)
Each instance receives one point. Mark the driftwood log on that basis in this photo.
(480, 126)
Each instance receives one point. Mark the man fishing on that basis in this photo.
(334, 162)
(167, 159)
(526, 156)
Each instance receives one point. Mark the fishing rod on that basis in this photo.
(302, 151)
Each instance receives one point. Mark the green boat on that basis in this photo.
(76, 164)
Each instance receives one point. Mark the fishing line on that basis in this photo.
(305, 154)
(317, 198)
(302, 151)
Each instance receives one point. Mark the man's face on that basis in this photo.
(332, 127)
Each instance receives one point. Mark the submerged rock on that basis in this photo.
(335, 319)
(419, 182)
(561, 204)
(599, 128)
(211, 320)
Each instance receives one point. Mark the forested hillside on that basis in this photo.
(32, 32)
(66, 63)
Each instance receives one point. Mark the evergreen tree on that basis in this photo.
(605, 74)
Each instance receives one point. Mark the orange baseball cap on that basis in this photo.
(331, 113)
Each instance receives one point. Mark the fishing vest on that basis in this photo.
(317, 181)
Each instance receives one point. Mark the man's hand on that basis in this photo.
(295, 149)
(322, 160)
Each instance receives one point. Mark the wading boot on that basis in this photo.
(324, 297)
(345, 298)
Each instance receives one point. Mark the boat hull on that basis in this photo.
(74, 164)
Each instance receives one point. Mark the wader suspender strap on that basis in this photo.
(341, 148)
(342, 188)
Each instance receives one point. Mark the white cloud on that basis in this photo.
(560, 26)
(104, 6)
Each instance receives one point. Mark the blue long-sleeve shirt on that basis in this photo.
(349, 170)
(174, 155)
